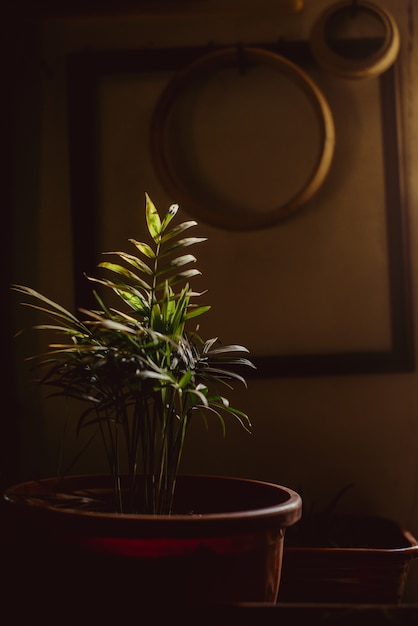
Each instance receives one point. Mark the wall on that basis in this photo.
(316, 434)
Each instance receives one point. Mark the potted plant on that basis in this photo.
(141, 375)
(334, 557)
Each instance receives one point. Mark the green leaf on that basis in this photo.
(182, 243)
(174, 232)
(172, 211)
(132, 260)
(243, 418)
(228, 349)
(223, 374)
(210, 408)
(144, 248)
(173, 280)
(153, 219)
(208, 344)
(185, 379)
(123, 271)
(179, 311)
(177, 262)
(136, 301)
(38, 296)
(195, 312)
(118, 285)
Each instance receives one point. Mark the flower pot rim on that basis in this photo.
(410, 551)
(407, 548)
(287, 509)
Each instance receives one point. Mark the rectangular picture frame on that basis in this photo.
(86, 69)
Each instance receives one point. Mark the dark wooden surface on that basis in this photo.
(31, 592)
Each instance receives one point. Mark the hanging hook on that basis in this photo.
(354, 8)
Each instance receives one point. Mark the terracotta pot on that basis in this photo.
(368, 563)
(224, 543)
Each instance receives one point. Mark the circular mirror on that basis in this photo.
(242, 138)
(355, 39)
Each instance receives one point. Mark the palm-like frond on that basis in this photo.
(136, 367)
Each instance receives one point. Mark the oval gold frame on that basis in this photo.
(366, 67)
(159, 130)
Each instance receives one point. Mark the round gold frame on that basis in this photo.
(165, 168)
(368, 66)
